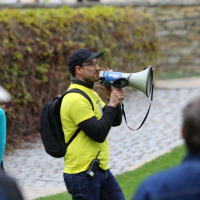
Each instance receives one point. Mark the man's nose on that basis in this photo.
(97, 67)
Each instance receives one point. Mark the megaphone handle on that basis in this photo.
(123, 112)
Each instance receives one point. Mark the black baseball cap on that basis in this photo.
(79, 56)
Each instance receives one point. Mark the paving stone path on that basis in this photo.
(40, 175)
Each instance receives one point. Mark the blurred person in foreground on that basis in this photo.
(2, 134)
(76, 112)
(4, 97)
(8, 187)
(183, 181)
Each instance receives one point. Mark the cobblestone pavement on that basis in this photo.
(40, 175)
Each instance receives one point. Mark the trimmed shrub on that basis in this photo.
(36, 43)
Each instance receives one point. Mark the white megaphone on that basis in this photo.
(140, 80)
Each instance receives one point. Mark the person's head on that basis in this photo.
(83, 65)
(4, 95)
(191, 125)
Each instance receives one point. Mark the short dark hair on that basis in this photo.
(74, 73)
(191, 125)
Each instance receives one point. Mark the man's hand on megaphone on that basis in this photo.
(116, 97)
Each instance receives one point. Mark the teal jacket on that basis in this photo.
(2, 133)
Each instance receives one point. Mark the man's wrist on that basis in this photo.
(111, 104)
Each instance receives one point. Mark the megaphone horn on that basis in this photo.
(140, 80)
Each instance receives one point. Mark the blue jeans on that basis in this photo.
(103, 186)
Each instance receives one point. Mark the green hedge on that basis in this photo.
(35, 45)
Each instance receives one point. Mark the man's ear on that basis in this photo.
(183, 132)
(78, 70)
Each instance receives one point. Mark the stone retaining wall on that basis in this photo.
(179, 45)
(178, 28)
(170, 11)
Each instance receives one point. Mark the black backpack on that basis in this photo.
(51, 128)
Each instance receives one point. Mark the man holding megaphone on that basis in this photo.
(86, 173)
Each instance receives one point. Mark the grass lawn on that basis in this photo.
(129, 181)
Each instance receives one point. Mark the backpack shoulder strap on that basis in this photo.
(80, 92)
(88, 98)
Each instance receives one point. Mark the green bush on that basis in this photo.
(35, 45)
